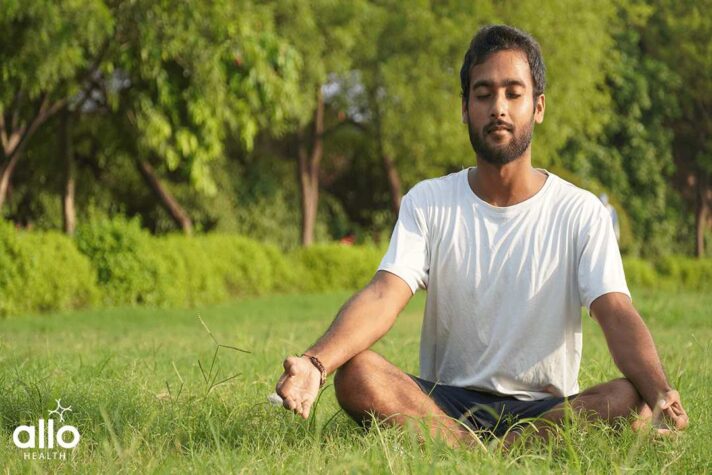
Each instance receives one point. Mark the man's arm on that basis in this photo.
(362, 321)
(633, 351)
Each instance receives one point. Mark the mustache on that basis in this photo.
(497, 124)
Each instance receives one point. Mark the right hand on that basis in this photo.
(299, 385)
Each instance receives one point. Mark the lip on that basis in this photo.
(498, 127)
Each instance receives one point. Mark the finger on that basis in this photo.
(677, 417)
(681, 421)
(302, 412)
(306, 408)
(290, 403)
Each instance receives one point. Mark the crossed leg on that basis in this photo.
(611, 402)
(369, 384)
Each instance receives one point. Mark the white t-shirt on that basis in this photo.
(505, 284)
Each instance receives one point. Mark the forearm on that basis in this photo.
(362, 321)
(633, 351)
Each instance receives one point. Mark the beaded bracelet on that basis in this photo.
(315, 361)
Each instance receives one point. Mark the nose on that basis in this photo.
(499, 107)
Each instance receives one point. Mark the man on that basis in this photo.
(508, 254)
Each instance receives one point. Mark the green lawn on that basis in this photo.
(142, 403)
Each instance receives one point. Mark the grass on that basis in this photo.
(146, 399)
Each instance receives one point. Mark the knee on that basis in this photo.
(625, 393)
(620, 398)
(351, 382)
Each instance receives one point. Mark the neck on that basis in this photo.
(506, 185)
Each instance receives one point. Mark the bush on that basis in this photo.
(136, 268)
(124, 264)
(686, 272)
(335, 267)
(43, 271)
(640, 273)
(670, 272)
(122, 254)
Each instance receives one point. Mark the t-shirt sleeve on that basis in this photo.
(600, 267)
(408, 252)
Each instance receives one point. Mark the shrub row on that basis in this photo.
(41, 272)
(670, 273)
(117, 263)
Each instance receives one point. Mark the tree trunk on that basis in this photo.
(69, 211)
(309, 173)
(13, 144)
(389, 166)
(394, 183)
(701, 217)
(6, 176)
(168, 201)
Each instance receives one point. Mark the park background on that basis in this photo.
(245, 160)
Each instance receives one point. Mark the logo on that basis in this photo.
(44, 437)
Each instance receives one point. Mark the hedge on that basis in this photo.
(134, 267)
(43, 272)
(116, 262)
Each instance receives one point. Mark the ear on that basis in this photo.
(539, 107)
(464, 111)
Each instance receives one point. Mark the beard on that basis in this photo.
(500, 154)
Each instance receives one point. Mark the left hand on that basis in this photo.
(671, 415)
(668, 415)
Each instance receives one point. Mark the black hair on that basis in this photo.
(493, 38)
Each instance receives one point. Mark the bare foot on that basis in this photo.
(642, 419)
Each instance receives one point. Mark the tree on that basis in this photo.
(409, 103)
(633, 154)
(680, 34)
(326, 34)
(191, 74)
(50, 52)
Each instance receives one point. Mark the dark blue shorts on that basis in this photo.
(483, 411)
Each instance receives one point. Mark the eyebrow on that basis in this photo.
(505, 83)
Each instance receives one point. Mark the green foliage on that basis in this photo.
(194, 71)
(123, 264)
(135, 268)
(679, 34)
(640, 273)
(45, 45)
(121, 253)
(633, 155)
(686, 273)
(670, 273)
(327, 267)
(41, 272)
(207, 91)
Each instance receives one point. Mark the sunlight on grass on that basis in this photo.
(151, 392)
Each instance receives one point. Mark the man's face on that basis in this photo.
(501, 109)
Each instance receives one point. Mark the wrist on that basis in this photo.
(314, 361)
(653, 396)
